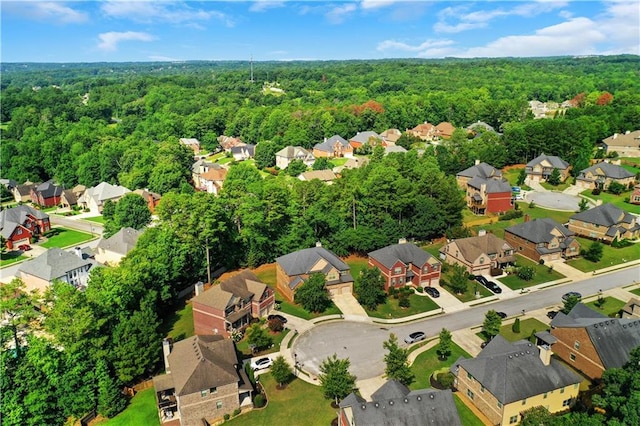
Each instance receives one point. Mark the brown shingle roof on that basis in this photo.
(473, 247)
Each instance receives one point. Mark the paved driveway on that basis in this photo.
(555, 200)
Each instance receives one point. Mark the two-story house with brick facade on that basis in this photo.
(18, 224)
(334, 147)
(406, 264)
(478, 254)
(540, 168)
(486, 191)
(479, 169)
(507, 378)
(46, 194)
(72, 267)
(204, 381)
(605, 223)
(592, 342)
(601, 175)
(542, 239)
(294, 268)
(232, 304)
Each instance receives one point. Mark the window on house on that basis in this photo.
(219, 405)
(499, 404)
(393, 280)
(572, 357)
(204, 393)
(566, 402)
(400, 280)
(469, 376)
(524, 401)
(470, 393)
(213, 390)
(397, 270)
(481, 388)
(513, 419)
(576, 345)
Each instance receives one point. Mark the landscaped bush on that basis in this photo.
(420, 289)
(236, 412)
(258, 401)
(596, 191)
(226, 417)
(621, 243)
(511, 214)
(404, 302)
(275, 325)
(445, 379)
(616, 188)
(526, 273)
(516, 326)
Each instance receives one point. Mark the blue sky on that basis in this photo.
(92, 31)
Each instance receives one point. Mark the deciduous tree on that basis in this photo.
(335, 379)
(444, 344)
(281, 371)
(258, 337)
(369, 288)
(397, 360)
(492, 323)
(312, 294)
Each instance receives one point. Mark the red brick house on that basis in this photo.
(488, 196)
(231, 304)
(406, 264)
(592, 342)
(151, 198)
(543, 239)
(19, 224)
(46, 194)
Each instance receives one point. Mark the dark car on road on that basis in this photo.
(277, 317)
(575, 294)
(552, 314)
(433, 292)
(502, 315)
(415, 337)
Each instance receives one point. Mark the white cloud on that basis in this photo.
(424, 46)
(262, 5)
(51, 11)
(152, 11)
(375, 4)
(109, 41)
(338, 14)
(621, 24)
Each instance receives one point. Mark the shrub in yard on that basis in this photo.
(616, 188)
(258, 401)
(404, 302)
(236, 412)
(541, 262)
(445, 379)
(512, 214)
(226, 417)
(516, 326)
(420, 289)
(275, 325)
(526, 273)
(532, 337)
(596, 191)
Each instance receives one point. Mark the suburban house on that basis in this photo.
(199, 167)
(368, 137)
(191, 143)
(232, 304)
(606, 223)
(72, 267)
(326, 176)
(69, 197)
(444, 130)
(507, 378)
(480, 254)
(212, 180)
(152, 198)
(592, 342)
(425, 131)
(478, 170)
(631, 309)
(46, 194)
(601, 175)
(22, 193)
(226, 142)
(406, 264)
(479, 127)
(625, 145)
(294, 268)
(94, 198)
(540, 168)
(290, 153)
(8, 183)
(542, 239)
(490, 195)
(204, 380)
(18, 224)
(111, 250)
(394, 404)
(334, 147)
(390, 136)
(635, 195)
(391, 149)
(243, 152)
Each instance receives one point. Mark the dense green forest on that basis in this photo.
(87, 123)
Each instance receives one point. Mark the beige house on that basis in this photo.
(625, 145)
(94, 198)
(631, 309)
(111, 250)
(478, 254)
(290, 153)
(72, 267)
(204, 380)
(507, 378)
(326, 176)
(540, 168)
(601, 175)
(191, 143)
(605, 223)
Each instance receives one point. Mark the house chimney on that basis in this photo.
(545, 353)
(318, 244)
(402, 241)
(199, 287)
(482, 233)
(527, 218)
(477, 162)
(78, 252)
(166, 350)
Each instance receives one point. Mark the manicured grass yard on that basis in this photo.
(357, 264)
(65, 238)
(141, 411)
(512, 175)
(498, 226)
(243, 345)
(611, 306)
(467, 418)
(526, 328)
(560, 187)
(97, 219)
(470, 295)
(299, 403)
(391, 308)
(10, 258)
(616, 200)
(428, 362)
(542, 275)
(611, 256)
(181, 323)
(636, 291)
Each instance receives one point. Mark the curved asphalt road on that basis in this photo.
(362, 342)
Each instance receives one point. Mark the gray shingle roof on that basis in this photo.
(393, 404)
(293, 152)
(514, 371)
(492, 185)
(363, 137)
(613, 338)
(556, 162)
(122, 242)
(605, 169)
(538, 230)
(203, 362)
(406, 253)
(54, 264)
(48, 189)
(482, 170)
(604, 215)
(631, 139)
(328, 144)
(102, 192)
(11, 218)
(301, 261)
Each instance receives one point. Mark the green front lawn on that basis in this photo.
(300, 312)
(434, 249)
(470, 295)
(243, 345)
(616, 200)
(542, 275)
(512, 175)
(357, 264)
(558, 188)
(526, 328)
(428, 362)
(63, 237)
(180, 324)
(467, 417)
(611, 256)
(11, 257)
(636, 291)
(299, 403)
(141, 411)
(498, 226)
(611, 306)
(391, 308)
(97, 219)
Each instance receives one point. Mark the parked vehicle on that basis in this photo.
(277, 317)
(431, 291)
(261, 363)
(567, 295)
(502, 315)
(482, 280)
(24, 247)
(415, 337)
(493, 287)
(552, 314)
